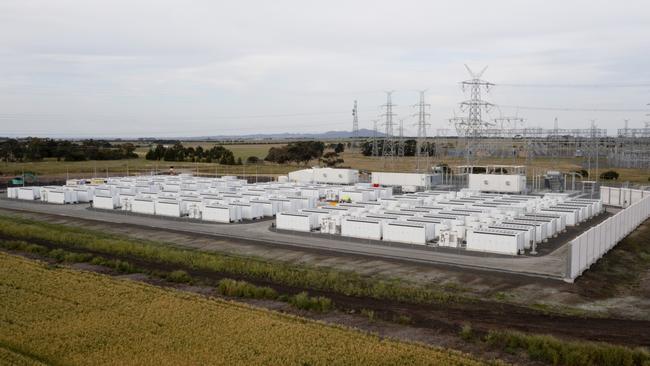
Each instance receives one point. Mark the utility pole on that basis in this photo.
(422, 147)
(388, 148)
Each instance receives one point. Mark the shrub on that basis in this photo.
(557, 352)
(77, 257)
(609, 175)
(402, 319)
(305, 302)
(583, 172)
(234, 288)
(179, 276)
(57, 254)
(253, 160)
(35, 248)
(370, 314)
(466, 332)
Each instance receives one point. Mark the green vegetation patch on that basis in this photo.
(321, 279)
(558, 352)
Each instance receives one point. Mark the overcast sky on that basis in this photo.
(189, 68)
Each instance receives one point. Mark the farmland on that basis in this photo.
(52, 168)
(429, 305)
(49, 313)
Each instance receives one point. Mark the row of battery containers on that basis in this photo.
(53, 194)
(358, 192)
(358, 227)
(451, 228)
(214, 209)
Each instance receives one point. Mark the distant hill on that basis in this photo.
(364, 132)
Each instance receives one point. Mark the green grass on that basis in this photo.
(322, 279)
(621, 267)
(179, 276)
(315, 303)
(554, 351)
(233, 288)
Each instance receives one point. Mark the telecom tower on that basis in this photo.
(388, 148)
(422, 147)
(472, 127)
(355, 125)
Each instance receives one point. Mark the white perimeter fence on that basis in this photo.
(591, 245)
(621, 197)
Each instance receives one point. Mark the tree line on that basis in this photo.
(178, 152)
(298, 152)
(36, 149)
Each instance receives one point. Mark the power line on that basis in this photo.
(570, 109)
(615, 85)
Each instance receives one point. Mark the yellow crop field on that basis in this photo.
(61, 316)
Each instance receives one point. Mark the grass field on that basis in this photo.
(353, 159)
(60, 316)
(324, 279)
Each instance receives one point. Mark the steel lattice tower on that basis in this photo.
(400, 140)
(355, 124)
(422, 147)
(472, 127)
(388, 148)
(375, 148)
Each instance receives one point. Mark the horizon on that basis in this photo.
(73, 68)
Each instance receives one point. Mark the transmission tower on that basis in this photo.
(388, 148)
(375, 148)
(595, 147)
(400, 140)
(505, 124)
(422, 147)
(355, 125)
(472, 127)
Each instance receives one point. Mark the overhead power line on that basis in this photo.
(614, 85)
(570, 109)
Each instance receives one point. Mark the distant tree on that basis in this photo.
(583, 173)
(331, 159)
(299, 152)
(251, 160)
(609, 175)
(339, 148)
